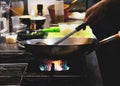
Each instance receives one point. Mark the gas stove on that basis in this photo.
(46, 72)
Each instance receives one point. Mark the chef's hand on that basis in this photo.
(96, 13)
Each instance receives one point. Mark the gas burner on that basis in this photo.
(54, 65)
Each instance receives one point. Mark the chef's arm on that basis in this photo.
(99, 10)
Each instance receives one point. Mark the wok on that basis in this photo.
(66, 48)
(59, 48)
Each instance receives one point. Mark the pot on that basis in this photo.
(51, 10)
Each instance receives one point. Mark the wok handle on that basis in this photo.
(82, 26)
(111, 38)
(104, 41)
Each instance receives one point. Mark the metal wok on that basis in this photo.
(67, 48)
(56, 47)
(60, 48)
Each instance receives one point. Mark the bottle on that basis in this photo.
(59, 11)
(40, 9)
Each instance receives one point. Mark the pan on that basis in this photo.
(56, 48)
(68, 47)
